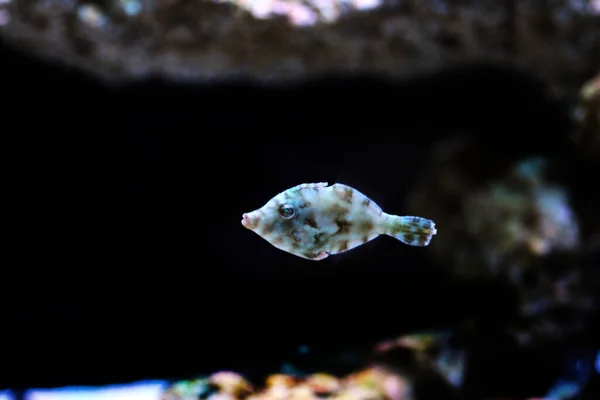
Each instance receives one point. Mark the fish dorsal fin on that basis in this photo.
(360, 182)
(303, 186)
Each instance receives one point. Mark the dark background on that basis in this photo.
(126, 258)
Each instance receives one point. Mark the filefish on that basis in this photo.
(314, 220)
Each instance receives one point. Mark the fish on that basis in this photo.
(315, 220)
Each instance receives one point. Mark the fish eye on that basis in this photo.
(287, 211)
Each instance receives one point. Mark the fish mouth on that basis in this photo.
(249, 221)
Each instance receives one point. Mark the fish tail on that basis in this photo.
(413, 231)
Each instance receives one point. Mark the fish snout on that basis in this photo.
(250, 220)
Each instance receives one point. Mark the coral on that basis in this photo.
(379, 377)
(370, 383)
(411, 367)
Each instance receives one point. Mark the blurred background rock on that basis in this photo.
(145, 128)
(276, 39)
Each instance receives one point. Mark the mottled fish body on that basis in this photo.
(314, 220)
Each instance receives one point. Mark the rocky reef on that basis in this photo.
(514, 213)
(274, 40)
(587, 115)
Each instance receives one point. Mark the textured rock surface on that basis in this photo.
(587, 135)
(521, 221)
(200, 40)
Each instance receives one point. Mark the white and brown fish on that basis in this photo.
(314, 220)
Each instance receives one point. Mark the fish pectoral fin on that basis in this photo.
(320, 256)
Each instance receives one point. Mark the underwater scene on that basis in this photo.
(301, 200)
